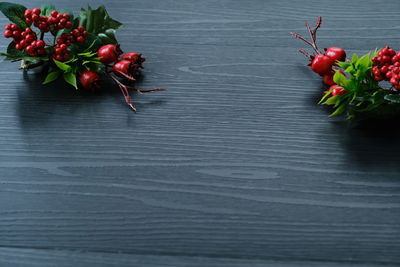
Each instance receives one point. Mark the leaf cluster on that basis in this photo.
(364, 96)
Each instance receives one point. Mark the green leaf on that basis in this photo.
(331, 101)
(62, 66)
(343, 65)
(100, 24)
(392, 98)
(52, 76)
(15, 13)
(340, 79)
(354, 58)
(339, 110)
(70, 78)
(46, 9)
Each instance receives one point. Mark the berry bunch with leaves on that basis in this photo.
(79, 49)
(366, 87)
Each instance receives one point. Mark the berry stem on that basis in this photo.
(313, 35)
(124, 90)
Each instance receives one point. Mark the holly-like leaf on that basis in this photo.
(46, 9)
(392, 98)
(70, 78)
(99, 23)
(15, 13)
(52, 76)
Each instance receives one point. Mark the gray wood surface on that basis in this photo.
(234, 165)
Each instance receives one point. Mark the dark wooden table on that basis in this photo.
(234, 165)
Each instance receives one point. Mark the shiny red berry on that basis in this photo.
(322, 64)
(89, 79)
(108, 53)
(337, 90)
(336, 53)
(122, 66)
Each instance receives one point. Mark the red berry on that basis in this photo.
(89, 79)
(54, 13)
(8, 34)
(322, 64)
(336, 53)
(81, 29)
(36, 11)
(8, 27)
(337, 90)
(14, 27)
(80, 39)
(18, 47)
(30, 49)
(16, 34)
(68, 25)
(40, 43)
(108, 53)
(66, 16)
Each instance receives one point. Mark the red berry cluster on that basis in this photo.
(78, 35)
(386, 66)
(25, 40)
(59, 21)
(13, 31)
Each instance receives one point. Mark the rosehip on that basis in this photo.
(133, 57)
(336, 53)
(89, 79)
(109, 53)
(122, 66)
(337, 90)
(322, 64)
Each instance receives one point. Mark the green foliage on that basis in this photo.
(70, 69)
(15, 13)
(99, 23)
(364, 96)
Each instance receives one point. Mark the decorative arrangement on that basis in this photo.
(80, 50)
(361, 88)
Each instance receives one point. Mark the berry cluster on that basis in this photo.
(78, 35)
(13, 31)
(386, 66)
(59, 21)
(25, 40)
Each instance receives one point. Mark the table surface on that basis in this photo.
(234, 165)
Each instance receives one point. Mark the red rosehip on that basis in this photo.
(122, 66)
(133, 57)
(336, 53)
(322, 64)
(109, 53)
(337, 90)
(89, 79)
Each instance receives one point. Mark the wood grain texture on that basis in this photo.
(234, 165)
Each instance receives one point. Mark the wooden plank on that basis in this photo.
(235, 160)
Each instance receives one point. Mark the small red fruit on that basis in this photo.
(122, 66)
(133, 57)
(109, 53)
(337, 90)
(336, 53)
(89, 79)
(322, 64)
(328, 78)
